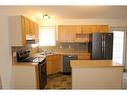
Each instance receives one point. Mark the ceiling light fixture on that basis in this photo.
(46, 16)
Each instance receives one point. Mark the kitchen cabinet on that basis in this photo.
(84, 57)
(53, 64)
(82, 38)
(20, 28)
(78, 33)
(36, 27)
(86, 29)
(67, 33)
(102, 28)
(26, 25)
(25, 77)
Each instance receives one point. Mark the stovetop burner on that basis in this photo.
(29, 59)
(23, 56)
(33, 59)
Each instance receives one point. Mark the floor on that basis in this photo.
(61, 81)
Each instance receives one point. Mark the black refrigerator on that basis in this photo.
(101, 46)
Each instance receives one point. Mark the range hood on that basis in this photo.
(31, 39)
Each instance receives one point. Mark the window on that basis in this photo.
(47, 36)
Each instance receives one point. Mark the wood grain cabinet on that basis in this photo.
(88, 29)
(36, 27)
(26, 25)
(102, 28)
(84, 57)
(53, 64)
(67, 33)
(78, 33)
(19, 28)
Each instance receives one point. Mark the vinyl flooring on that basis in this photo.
(59, 81)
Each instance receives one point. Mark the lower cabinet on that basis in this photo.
(25, 76)
(53, 64)
(84, 57)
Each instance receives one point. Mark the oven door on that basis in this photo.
(42, 74)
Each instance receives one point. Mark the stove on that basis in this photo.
(23, 56)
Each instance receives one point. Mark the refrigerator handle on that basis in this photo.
(104, 46)
(102, 43)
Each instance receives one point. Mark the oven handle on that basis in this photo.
(41, 63)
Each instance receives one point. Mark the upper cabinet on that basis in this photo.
(22, 29)
(87, 29)
(78, 33)
(67, 33)
(102, 28)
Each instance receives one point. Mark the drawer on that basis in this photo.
(83, 57)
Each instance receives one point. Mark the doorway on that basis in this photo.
(119, 45)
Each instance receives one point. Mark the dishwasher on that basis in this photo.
(66, 63)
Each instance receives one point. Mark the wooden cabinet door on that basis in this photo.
(82, 36)
(88, 29)
(76, 29)
(31, 28)
(27, 26)
(56, 63)
(66, 33)
(23, 30)
(53, 64)
(102, 28)
(62, 34)
(36, 32)
(49, 67)
(84, 57)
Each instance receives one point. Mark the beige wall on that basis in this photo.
(110, 22)
(5, 50)
(5, 55)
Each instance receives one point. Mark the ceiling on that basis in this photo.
(87, 12)
(70, 12)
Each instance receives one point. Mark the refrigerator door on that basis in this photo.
(97, 46)
(108, 45)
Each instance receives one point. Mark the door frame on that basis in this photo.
(113, 28)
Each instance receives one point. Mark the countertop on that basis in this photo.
(25, 64)
(72, 53)
(93, 63)
(55, 53)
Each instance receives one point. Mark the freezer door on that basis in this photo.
(108, 45)
(97, 46)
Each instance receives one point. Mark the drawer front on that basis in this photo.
(83, 57)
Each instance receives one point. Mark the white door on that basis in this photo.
(119, 45)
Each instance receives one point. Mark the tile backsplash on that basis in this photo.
(66, 47)
(19, 48)
(73, 47)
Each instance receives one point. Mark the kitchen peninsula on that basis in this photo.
(96, 74)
